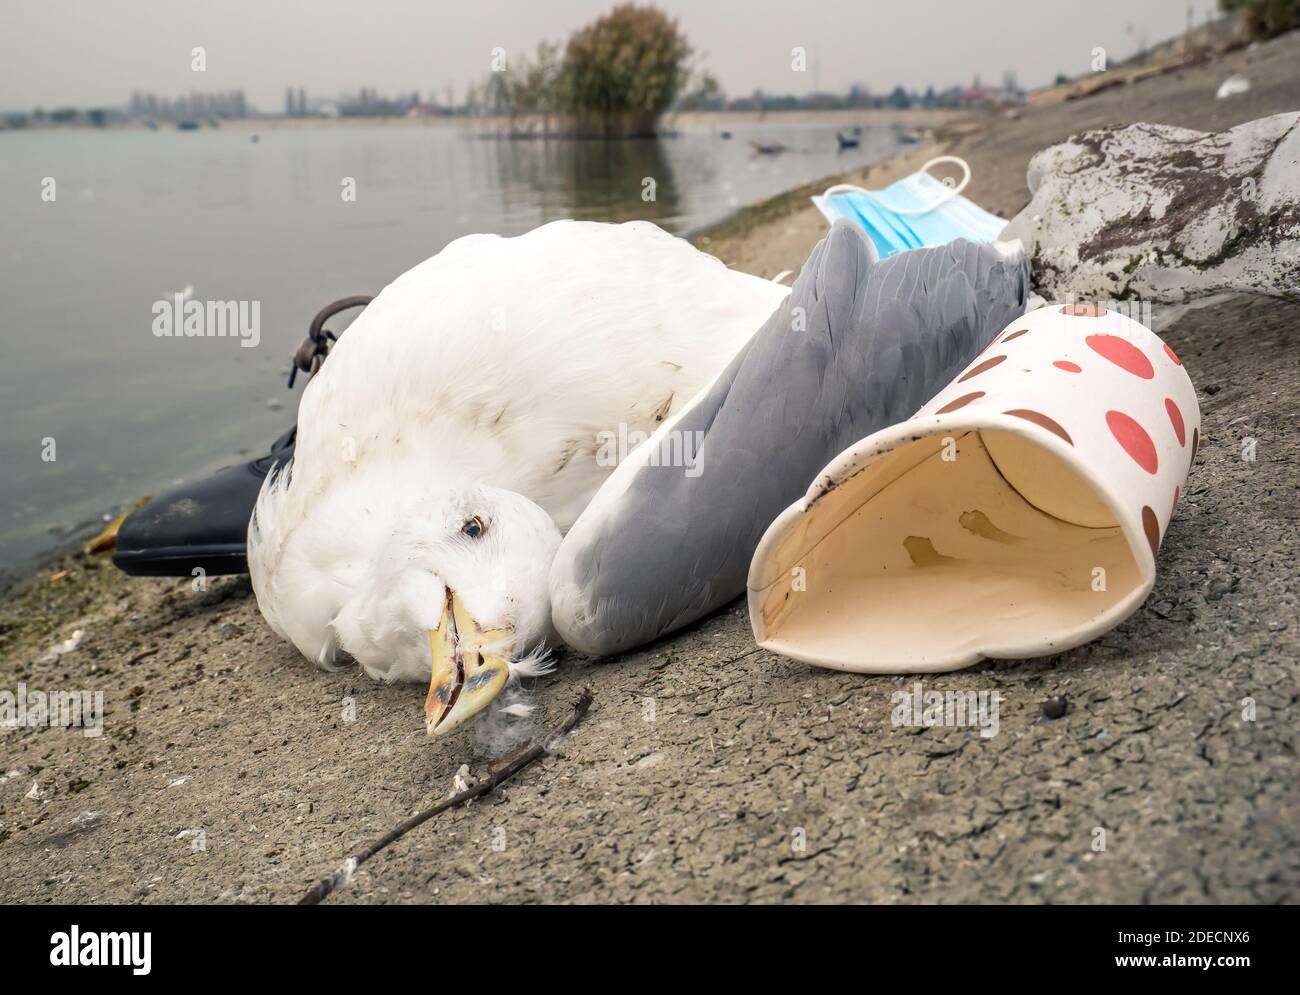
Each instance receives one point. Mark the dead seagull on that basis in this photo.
(461, 426)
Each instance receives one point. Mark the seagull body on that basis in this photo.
(461, 426)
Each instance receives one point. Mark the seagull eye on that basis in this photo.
(473, 528)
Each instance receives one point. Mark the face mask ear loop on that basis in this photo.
(938, 202)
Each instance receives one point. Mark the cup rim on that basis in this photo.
(862, 454)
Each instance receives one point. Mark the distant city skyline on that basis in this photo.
(148, 107)
(61, 52)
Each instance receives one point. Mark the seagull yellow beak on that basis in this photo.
(470, 667)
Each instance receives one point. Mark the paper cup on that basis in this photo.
(1017, 514)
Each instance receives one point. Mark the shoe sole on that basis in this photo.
(216, 560)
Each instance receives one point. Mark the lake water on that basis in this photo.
(141, 215)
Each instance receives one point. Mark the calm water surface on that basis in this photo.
(140, 215)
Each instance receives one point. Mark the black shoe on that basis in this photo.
(203, 525)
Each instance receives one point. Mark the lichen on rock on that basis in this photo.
(1159, 213)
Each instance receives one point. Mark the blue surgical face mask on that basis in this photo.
(916, 212)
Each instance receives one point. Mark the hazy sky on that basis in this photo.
(86, 52)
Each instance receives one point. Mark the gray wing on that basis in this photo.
(857, 346)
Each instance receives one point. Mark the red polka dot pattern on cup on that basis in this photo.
(1123, 354)
(1041, 420)
(1151, 526)
(1176, 419)
(960, 402)
(1112, 368)
(984, 367)
(1134, 440)
(1081, 310)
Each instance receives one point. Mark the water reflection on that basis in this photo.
(590, 180)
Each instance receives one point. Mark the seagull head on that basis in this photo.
(451, 587)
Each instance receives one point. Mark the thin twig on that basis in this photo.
(326, 885)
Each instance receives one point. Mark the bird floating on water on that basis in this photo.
(457, 431)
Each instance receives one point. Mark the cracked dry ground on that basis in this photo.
(703, 803)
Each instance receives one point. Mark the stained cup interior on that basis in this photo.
(950, 547)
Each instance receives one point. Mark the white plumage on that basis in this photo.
(476, 387)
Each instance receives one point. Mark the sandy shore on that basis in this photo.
(229, 770)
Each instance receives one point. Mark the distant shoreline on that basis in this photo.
(849, 116)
